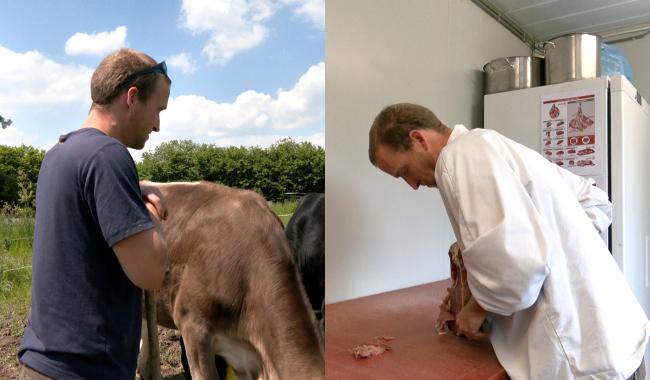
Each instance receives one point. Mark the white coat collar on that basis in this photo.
(458, 130)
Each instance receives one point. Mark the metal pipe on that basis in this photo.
(626, 33)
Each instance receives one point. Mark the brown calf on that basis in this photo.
(233, 289)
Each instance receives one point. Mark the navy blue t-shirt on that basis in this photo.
(86, 314)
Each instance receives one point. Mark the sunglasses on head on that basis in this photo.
(160, 68)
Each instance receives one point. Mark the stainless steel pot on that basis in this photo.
(572, 57)
(512, 73)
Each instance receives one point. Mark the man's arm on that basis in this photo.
(143, 256)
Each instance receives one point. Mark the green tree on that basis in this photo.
(172, 161)
(19, 167)
(284, 167)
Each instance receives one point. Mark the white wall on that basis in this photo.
(637, 53)
(380, 234)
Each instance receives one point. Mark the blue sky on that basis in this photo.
(244, 72)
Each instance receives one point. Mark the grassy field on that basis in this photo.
(16, 232)
(284, 210)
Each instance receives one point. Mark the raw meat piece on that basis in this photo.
(377, 347)
(457, 295)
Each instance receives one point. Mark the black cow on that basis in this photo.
(306, 234)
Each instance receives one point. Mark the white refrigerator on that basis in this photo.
(598, 128)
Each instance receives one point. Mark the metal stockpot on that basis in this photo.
(512, 73)
(572, 57)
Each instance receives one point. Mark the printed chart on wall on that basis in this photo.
(571, 132)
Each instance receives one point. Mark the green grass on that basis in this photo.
(284, 210)
(16, 231)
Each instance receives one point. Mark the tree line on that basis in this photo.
(284, 167)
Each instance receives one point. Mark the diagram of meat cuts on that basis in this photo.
(580, 121)
(585, 151)
(457, 295)
(554, 111)
(586, 163)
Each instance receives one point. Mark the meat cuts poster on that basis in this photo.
(570, 132)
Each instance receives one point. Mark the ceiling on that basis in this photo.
(540, 20)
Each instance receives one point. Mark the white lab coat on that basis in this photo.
(562, 308)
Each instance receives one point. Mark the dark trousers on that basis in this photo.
(27, 373)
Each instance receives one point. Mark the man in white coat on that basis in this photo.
(529, 236)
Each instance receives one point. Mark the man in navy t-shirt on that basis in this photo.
(97, 238)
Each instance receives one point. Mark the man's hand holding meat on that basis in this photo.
(470, 319)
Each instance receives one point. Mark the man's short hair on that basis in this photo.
(108, 79)
(394, 123)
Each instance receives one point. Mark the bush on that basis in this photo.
(284, 167)
(19, 167)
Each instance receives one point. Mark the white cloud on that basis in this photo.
(233, 25)
(182, 62)
(224, 45)
(238, 25)
(30, 84)
(11, 136)
(96, 44)
(30, 80)
(252, 113)
(304, 104)
(253, 118)
(312, 10)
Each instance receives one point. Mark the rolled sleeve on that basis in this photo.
(505, 271)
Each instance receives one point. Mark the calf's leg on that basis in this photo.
(199, 350)
(222, 366)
